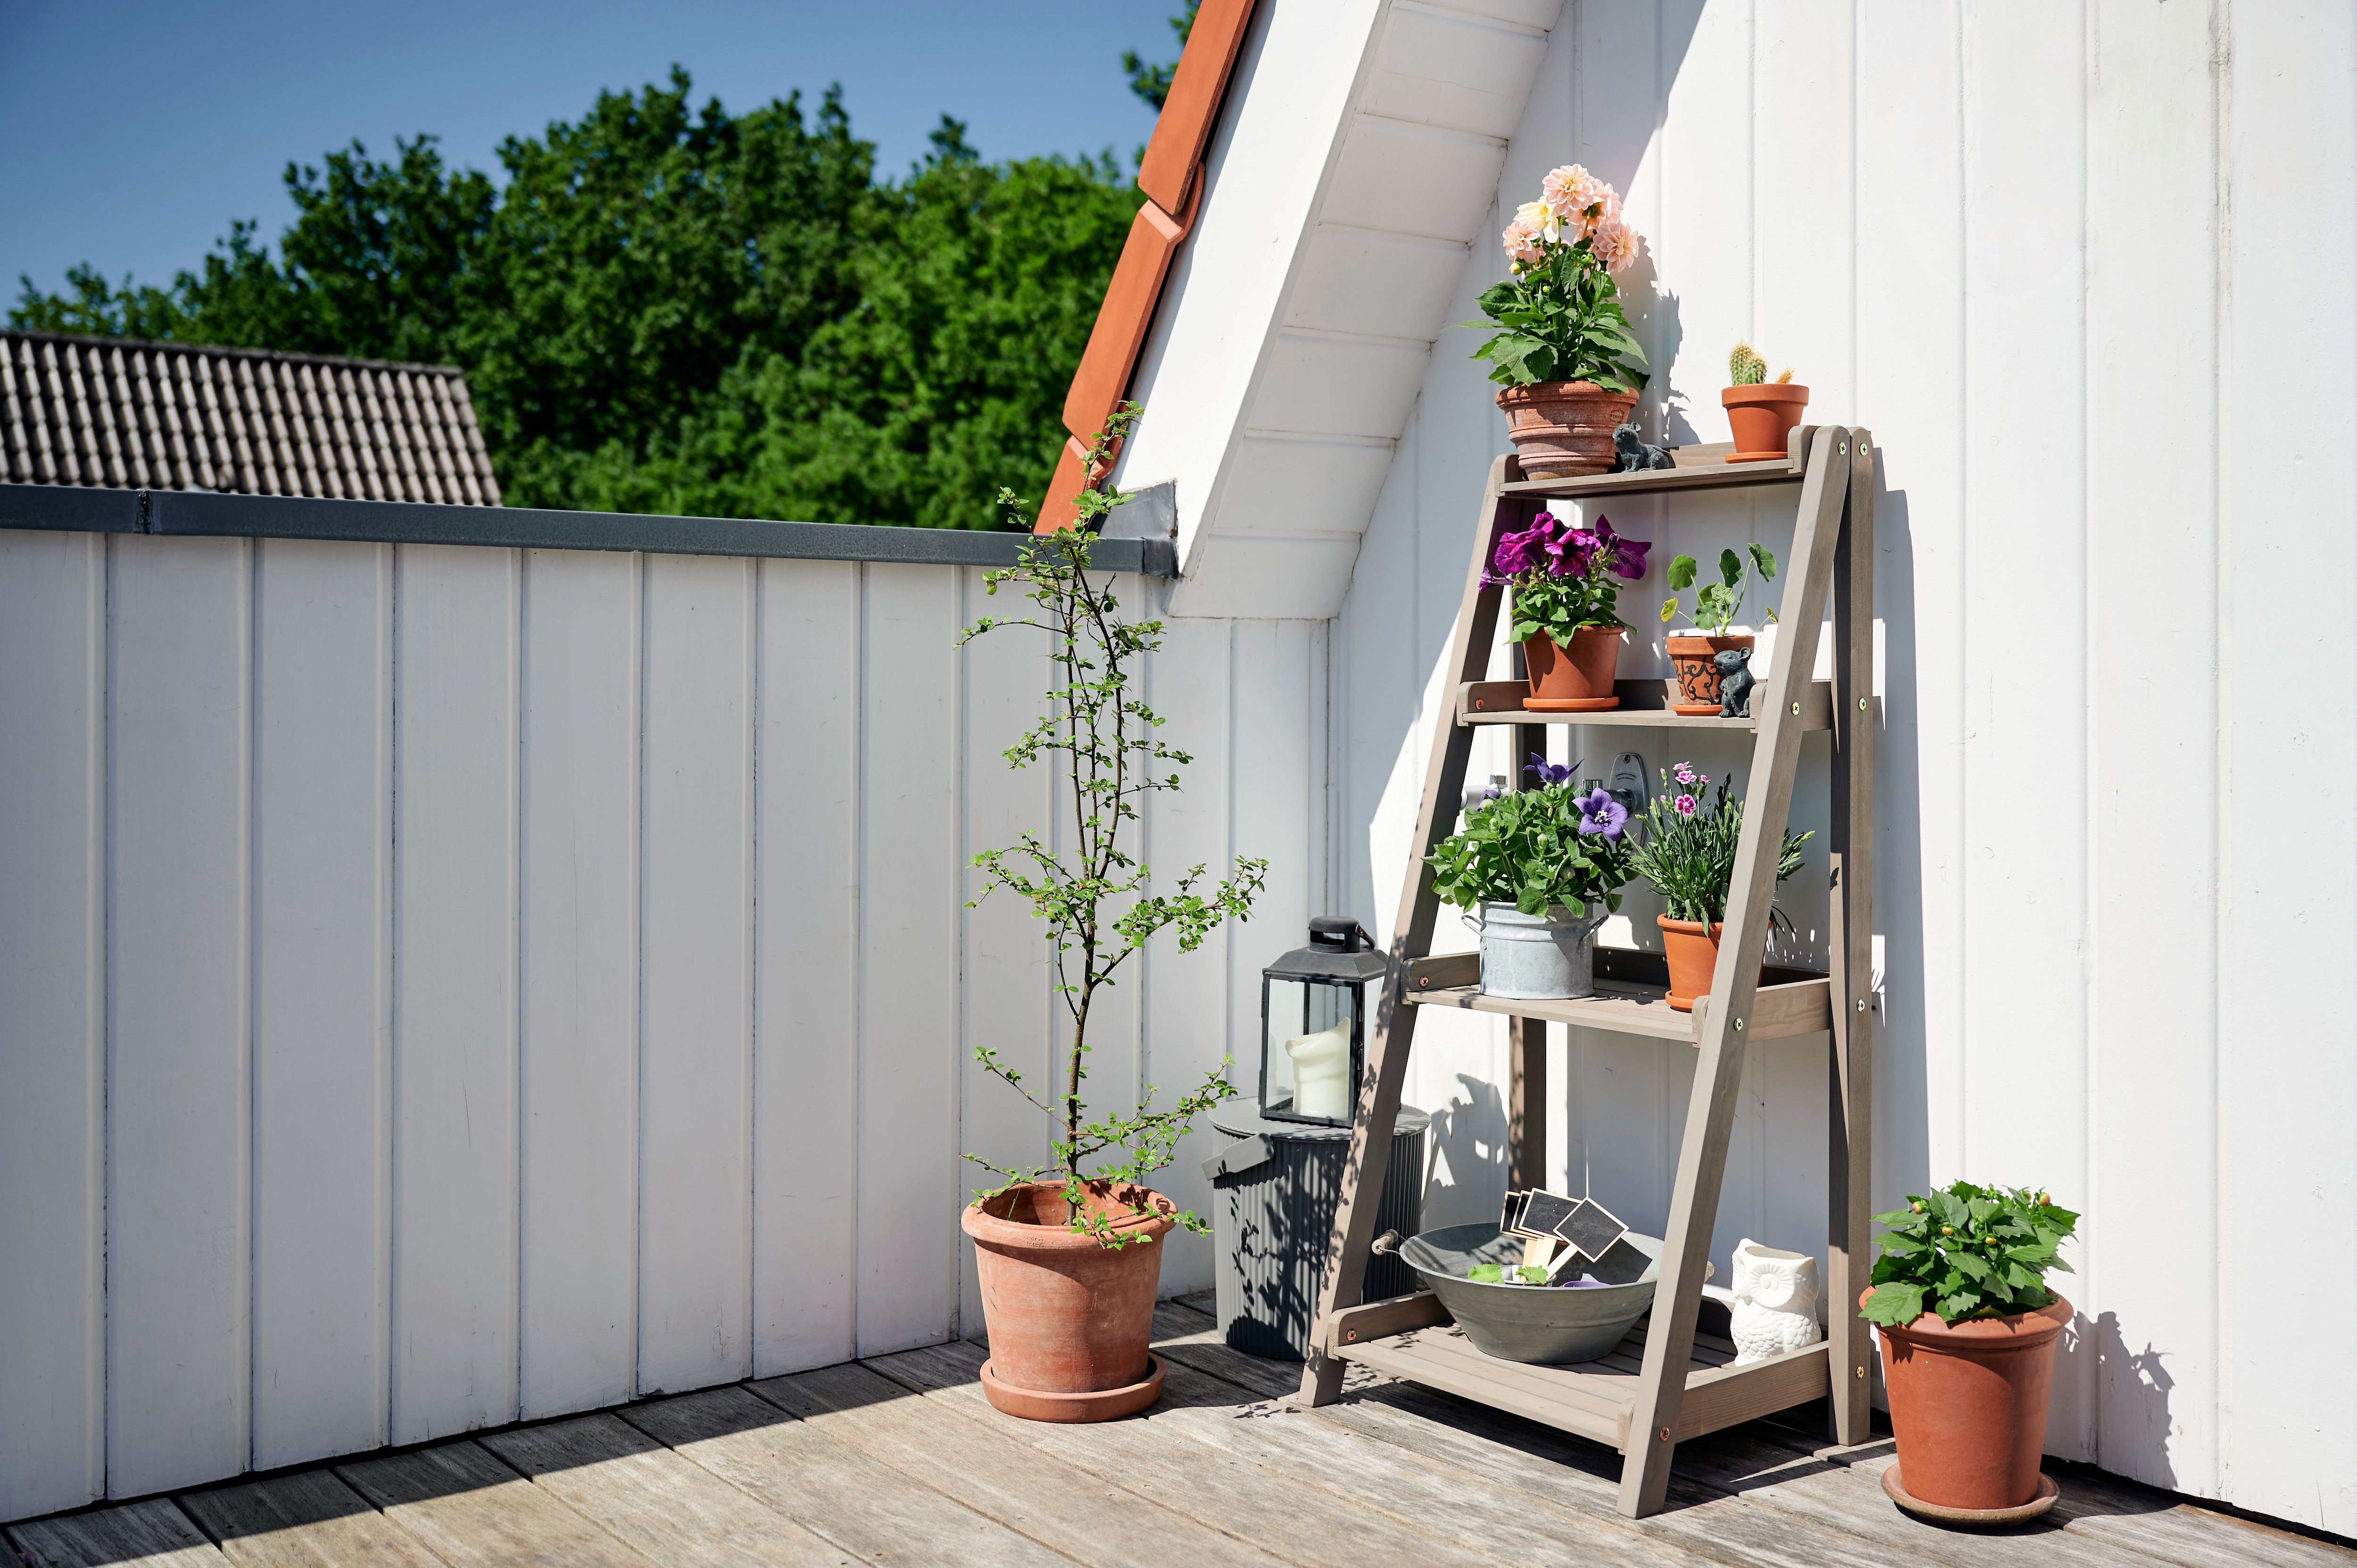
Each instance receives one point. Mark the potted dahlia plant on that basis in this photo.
(1534, 864)
(1694, 655)
(1566, 607)
(1068, 1252)
(1968, 1331)
(1562, 341)
(1759, 412)
(1686, 854)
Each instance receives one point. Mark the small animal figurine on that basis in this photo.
(1734, 682)
(1629, 452)
(1775, 1306)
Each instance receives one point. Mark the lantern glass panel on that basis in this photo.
(1316, 1078)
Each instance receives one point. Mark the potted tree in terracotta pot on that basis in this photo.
(1694, 655)
(1686, 854)
(1968, 1331)
(1565, 581)
(1761, 414)
(1560, 339)
(1069, 1253)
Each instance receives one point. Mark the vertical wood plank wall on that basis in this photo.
(441, 985)
(2085, 269)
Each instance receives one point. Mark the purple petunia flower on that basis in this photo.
(1629, 559)
(1518, 553)
(1549, 775)
(1600, 813)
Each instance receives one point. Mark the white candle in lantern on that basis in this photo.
(1321, 1072)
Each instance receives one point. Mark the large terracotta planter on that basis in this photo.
(1968, 1404)
(1069, 1320)
(1577, 680)
(1762, 418)
(1697, 676)
(1562, 428)
(1692, 951)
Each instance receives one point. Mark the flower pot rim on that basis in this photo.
(2022, 1328)
(996, 1229)
(1763, 392)
(1531, 391)
(1715, 641)
(1691, 928)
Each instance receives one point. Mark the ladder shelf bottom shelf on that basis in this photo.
(1594, 1398)
(1632, 997)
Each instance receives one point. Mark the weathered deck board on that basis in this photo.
(858, 1502)
(472, 1509)
(153, 1534)
(671, 1510)
(998, 1475)
(900, 1463)
(306, 1521)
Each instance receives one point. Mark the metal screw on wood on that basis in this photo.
(1861, 1004)
(1861, 704)
(1861, 1371)
(1796, 707)
(1663, 1434)
(1739, 1026)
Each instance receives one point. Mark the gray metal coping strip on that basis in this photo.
(84, 508)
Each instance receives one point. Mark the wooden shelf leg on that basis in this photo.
(1734, 983)
(1526, 1097)
(1849, 1113)
(1348, 1249)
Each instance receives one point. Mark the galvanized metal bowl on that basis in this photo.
(1551, 1325)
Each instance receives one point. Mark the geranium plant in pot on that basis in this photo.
(1561, 344)
(1761, 414)
(1968, 1332)
(1694, 655)
(1686, 854)
(1565, 582)
(1536, 864)
(1069, 1253)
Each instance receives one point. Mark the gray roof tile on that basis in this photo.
(112, 411)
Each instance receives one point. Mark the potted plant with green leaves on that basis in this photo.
(1686, 854)
(1068, 1254)
(1968, 1331)
(1694, 655)
(1761, 414)
(1535, 864)
(1561, 346)
(1565, 581)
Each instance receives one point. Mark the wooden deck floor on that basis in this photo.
(899, 1461)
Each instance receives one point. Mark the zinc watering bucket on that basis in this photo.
(1538, 958)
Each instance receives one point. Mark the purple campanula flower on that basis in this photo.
(1548, 773)
(1600, 813)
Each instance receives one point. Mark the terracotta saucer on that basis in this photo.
(1105, 1404)
(1979, 1518)
(1569, 705)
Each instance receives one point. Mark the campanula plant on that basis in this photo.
(1565, 576)
(1968, 1251)
(1536, 848)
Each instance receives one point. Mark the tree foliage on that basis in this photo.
(1152, 81)
(667, 308)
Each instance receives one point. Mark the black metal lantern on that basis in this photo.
(1313, 1024)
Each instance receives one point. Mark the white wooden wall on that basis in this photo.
(2088, 270)
(443, 985)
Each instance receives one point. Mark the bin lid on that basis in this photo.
(1241, 1117)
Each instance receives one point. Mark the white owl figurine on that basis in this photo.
(1775, 1302)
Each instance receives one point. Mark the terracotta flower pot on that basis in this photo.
(1697, 676)
(1562, 428)
(1693, 955)
(1069, 1320)
(1574, 681)
(1968, 1404)
(1762, 418)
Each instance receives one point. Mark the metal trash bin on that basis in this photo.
(1274, 1193)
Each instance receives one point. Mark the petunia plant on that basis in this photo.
(1686, 852)
(1565, 576)
(1536, 848)
(1968, 1251)
(1717, 604)
(1095, 897)
(1558, 313)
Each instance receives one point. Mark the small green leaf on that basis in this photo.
(1682, 572)
(1731, 568)
(1765, 562)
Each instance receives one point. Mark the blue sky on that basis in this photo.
(131, 134)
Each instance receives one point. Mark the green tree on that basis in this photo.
(1152, 82)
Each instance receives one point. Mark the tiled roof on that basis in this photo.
(112, 411)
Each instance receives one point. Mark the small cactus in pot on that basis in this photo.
(1759, 413)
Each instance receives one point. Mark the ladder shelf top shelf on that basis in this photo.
(1643, 704)
(1700, 467)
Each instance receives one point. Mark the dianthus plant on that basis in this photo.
(1557, 313)
(1687, 849)
(1095, 897)
(1564, 576)
(1968, 1251)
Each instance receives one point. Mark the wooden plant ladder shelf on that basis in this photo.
(1665, 1382)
